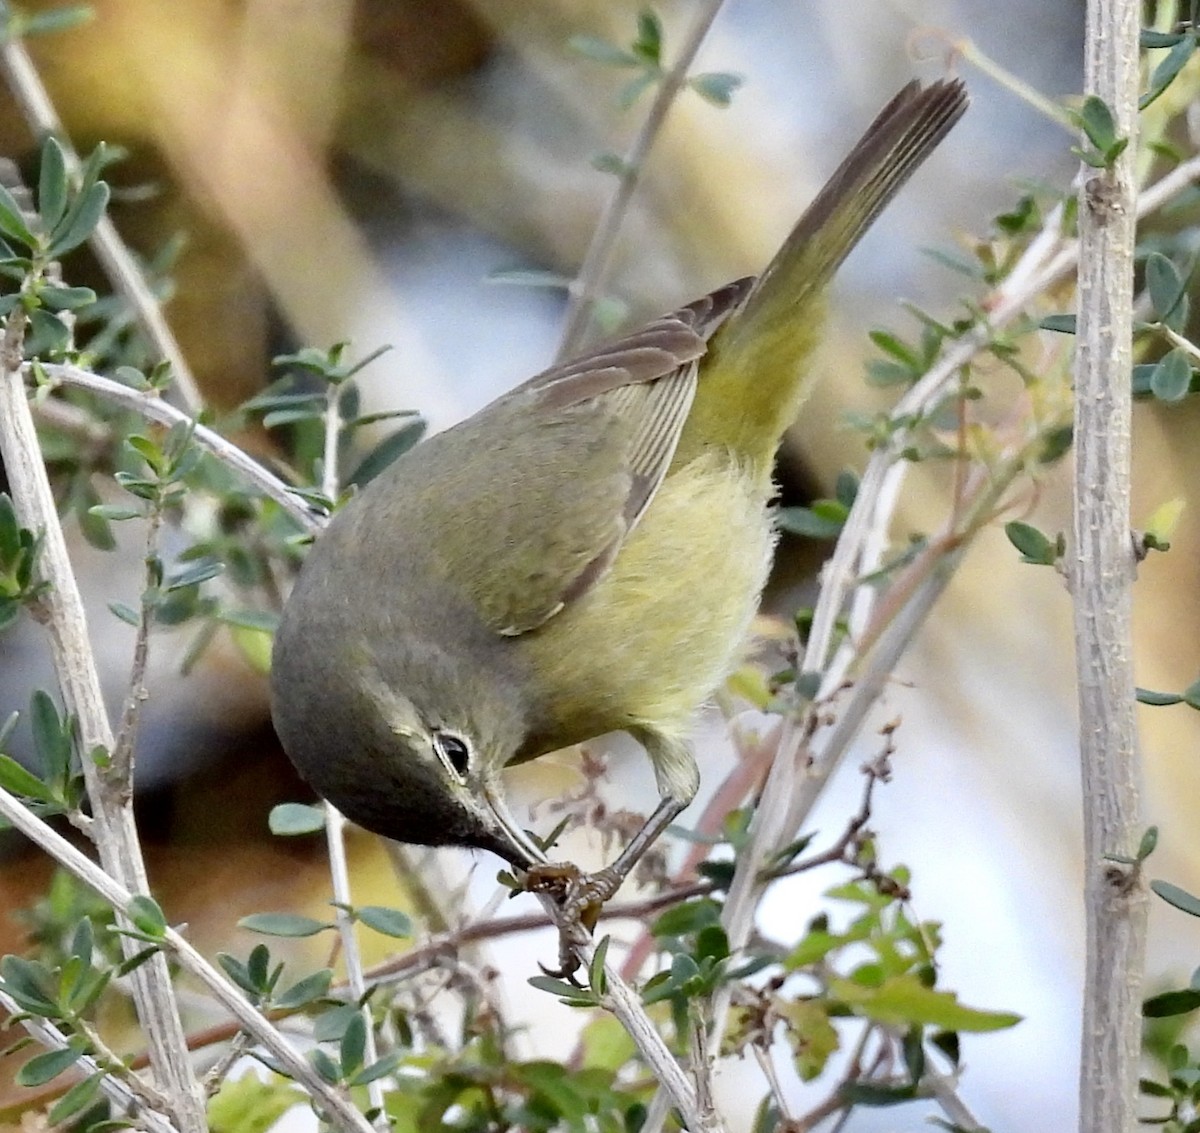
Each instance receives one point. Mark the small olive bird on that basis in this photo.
(582, 556)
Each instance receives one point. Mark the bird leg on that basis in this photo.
(581, 896)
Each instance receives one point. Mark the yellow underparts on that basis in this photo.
(654, 638)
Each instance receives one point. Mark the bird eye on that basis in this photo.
(454, 751)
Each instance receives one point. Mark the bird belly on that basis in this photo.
(650, 642)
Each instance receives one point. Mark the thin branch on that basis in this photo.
(592, 279)
(1101, 573)
(339, 873)
(338, 1108)
(335, 823)
(151, 406)
(118, 262)
(124, 750)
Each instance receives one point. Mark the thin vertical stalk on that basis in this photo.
(1101, 576)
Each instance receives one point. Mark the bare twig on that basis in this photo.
(335, 823)
(339, 873)
(1101, 574)
(31, 95)
(123, 751)
(589, 284)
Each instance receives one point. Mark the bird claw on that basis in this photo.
(580, 897)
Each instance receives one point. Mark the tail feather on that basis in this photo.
(751, 380)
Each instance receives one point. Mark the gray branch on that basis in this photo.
(1101, 576)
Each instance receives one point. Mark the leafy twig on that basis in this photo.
(151, 406)
(74, 663)
(34, 100)
(120, 1092)
(589, 284)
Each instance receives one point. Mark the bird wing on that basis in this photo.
(586, 445)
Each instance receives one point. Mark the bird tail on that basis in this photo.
(752, 379)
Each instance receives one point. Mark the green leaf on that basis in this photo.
(290, 819)
(283, 924)
(687, 917)
(1180, 898)
(716, 87)
(194, 574)
(329, 1026)
(78, 225)
(1172, 376)
(810, 523)
(325, 1066)
(29, 983)
(387, 451)
(1148, 38)
(67, 298)
(882, 373)
(1167, 70)
(601, 51)
(1056, 444)
(1034, 546)
(1148, 843)
(569, 994)
(125, 613)
(1158, 699)
(1164, 284)
(353, 1045)
(12, 220)
(390, 922)
(43, 1068)
(15, 778)
(305, 991)
(649, 42)
(634, 89)
(611, 163)
(52, 184)
(904, 1000)
(378, 1069)
(51, 333)
(115, 512)
(1191, 695)
(51, 736)
(1097, 122)
(76, 1099)
(266, 621)
(597, 978)
(1061, 324)
(147, 916)
(1171, 1003)
(899, 350)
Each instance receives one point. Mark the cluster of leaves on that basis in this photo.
(475, 1083)
(57, 788)
(878, 973)
(66, 992)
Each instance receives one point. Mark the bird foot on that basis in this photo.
(580, 898)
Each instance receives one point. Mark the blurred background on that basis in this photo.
(358, 169)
